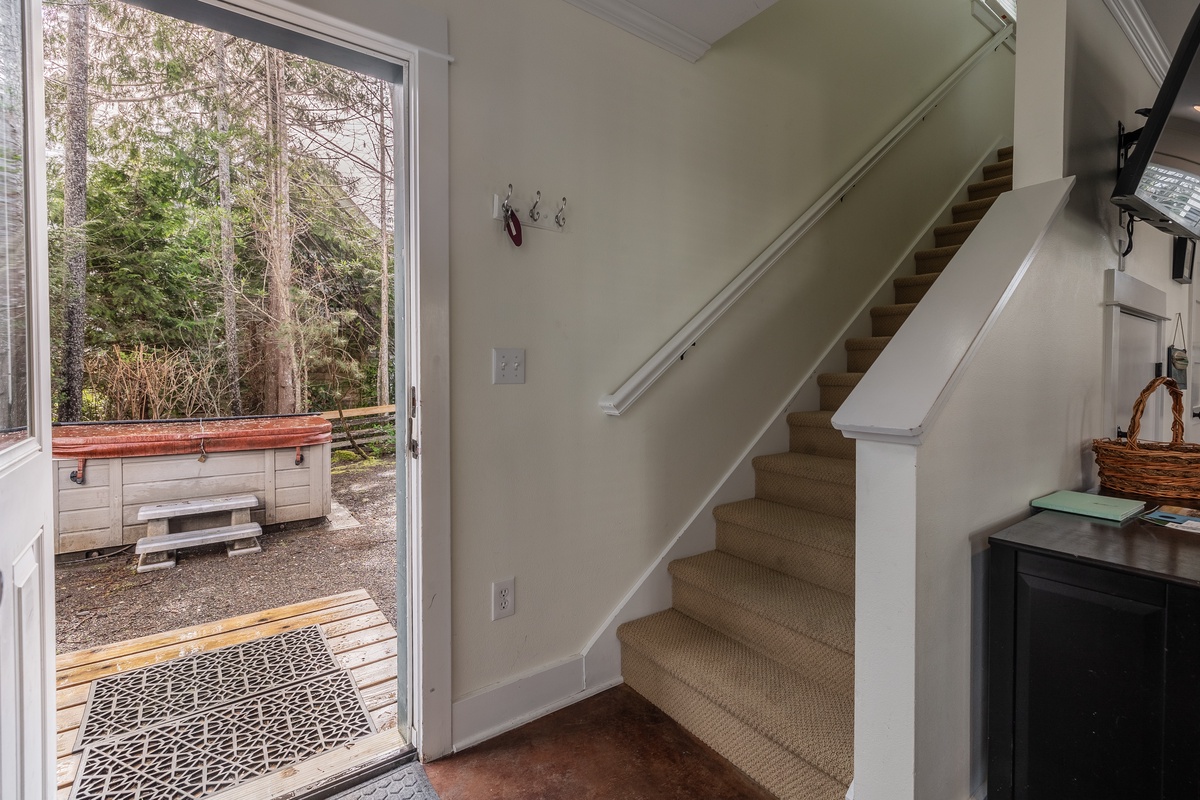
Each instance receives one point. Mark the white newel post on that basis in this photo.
(885, 629)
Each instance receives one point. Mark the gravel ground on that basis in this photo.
(103, 600)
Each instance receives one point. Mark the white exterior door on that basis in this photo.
(26, 550)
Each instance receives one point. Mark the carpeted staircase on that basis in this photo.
(756, 655)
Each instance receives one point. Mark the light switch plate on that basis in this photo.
(508, 365)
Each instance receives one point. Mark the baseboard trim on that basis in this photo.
(498, 709)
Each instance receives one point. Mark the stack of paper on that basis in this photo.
(1090, 505)
(1184, 519)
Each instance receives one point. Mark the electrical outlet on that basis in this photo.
(504, 598)
(508, 365)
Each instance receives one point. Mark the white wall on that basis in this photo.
(1020, 422)
(677, 175)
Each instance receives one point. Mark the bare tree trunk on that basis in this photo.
(283, 391)
(70, 407)
(228, 254)
(384, 378)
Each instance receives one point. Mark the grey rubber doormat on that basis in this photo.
(139, 698)
(406, 783)
(219, 748)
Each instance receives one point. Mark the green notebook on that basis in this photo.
(1090, 505)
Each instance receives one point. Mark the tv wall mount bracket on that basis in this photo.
(1126, 140)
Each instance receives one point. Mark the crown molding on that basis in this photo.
(646, 26)
(1135, 23)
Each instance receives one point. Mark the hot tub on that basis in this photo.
(105, 472)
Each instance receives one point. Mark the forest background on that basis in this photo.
(220, 222)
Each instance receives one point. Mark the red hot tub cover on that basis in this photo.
(191, 436)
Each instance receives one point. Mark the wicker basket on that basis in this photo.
(1168, 470)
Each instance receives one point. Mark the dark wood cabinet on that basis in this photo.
(1094, 680)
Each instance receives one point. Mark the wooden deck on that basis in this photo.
(360, 637)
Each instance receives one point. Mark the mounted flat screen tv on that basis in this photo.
(1160, 182)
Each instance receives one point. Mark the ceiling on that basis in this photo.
(686, 28)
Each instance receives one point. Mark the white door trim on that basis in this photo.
(428, 235)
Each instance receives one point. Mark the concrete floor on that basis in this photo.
(612, 745)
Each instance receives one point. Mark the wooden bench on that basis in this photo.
(157, 549)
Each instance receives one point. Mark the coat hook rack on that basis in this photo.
(506, 205)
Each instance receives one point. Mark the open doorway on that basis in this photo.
(405, 35)
(229, 206)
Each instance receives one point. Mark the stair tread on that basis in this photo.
(973, 205)
(803, 465)
(893, 310)
(991, 183)
(868, 342)
(839, 378)
(915, 280)
(974, 208)
(804, 608)
(957, 227)
(812, 721)
(937, 252)
(810, 419)
(833, 535)
(1004, 152)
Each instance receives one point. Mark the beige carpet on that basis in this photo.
(756, 655)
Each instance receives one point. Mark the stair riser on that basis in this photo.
(927, 265)
(791, 558)
(948, 239)
(834, 499)
(860, 360)
(887, 325)
(911, 294)
(1004, 153)
(1002, 170)
(972, 215)
(832, 397)
(820, 442)
(756, 755)
(815, 660)
(977, 191)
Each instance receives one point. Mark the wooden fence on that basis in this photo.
(365, 425)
